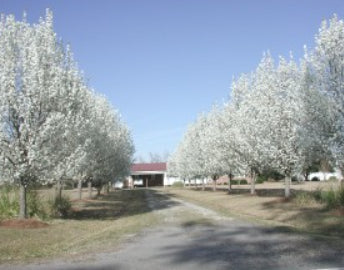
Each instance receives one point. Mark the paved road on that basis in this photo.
(187, 240)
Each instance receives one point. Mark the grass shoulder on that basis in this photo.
(313, 218)
(94, 225)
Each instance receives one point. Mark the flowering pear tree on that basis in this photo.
(194, 152)
(319, 119)
(109, 150)
(178, 163)
(46, 111)
(219, 141)
(33, 100)
(188, 160)
(283, 134)
(283, 117)
(251, 117)
(326, 65)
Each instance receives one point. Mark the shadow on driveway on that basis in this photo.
(250, 247)
(119, 204)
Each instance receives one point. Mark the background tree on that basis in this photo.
(326, 65)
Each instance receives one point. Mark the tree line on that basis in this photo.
(53, 126)
(283, 116)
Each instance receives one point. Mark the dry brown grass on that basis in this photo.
(96, 225)
(311, 217)
(73, 194)
(308, 185)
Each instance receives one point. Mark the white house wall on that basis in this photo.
(170, 180)
(167, 180)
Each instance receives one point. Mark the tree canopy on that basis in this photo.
(53, 126)
(283, 116)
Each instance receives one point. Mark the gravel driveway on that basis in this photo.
(194, 238)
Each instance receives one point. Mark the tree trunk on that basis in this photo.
(203, 185)
(79, 189)
(287, 186)
(184, 182)
(98, 190)
(22, 202)
(230, 176)
(214, 183)
(306, 175)
(253, 182)
(89, 185)
(59, 189)
(341, 180)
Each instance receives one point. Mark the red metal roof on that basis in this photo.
(141, 167)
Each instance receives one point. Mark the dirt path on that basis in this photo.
(194, 238)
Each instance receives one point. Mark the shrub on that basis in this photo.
(178, 184)
(68, 184)
(333, 179)
(333, 197)
(261, 179)
(9, 202)
(330, 198)
(341, 195)
(297, 178)
(239, 182)
(60, 207)
(272, 175)
(35, 205)
(317, 194)
(304, 198)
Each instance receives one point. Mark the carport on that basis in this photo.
(147, 175)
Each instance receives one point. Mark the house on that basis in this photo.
(147, 175)
(154, 175)
(324, 176)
